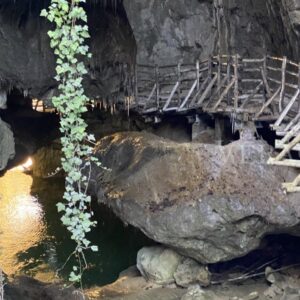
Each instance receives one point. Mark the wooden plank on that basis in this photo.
(288, 147)
(252, 60)
(207, 90)
(283, 81)
(286, 162)
(268, 103)
(287, 109)
(280, 145)
(171, 95)
(224, 93)
(293, 132)
(292, 122)
(188, 95)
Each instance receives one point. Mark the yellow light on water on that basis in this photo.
(21, 219)
(25, 166)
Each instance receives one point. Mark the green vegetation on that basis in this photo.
(68, 41)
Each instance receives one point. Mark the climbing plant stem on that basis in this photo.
(68, 39)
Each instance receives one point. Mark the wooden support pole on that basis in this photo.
(198, 74)
(236, 84)
(157, 85)
(228, 77)
(179, 81)
(219, 74)
(265, 78)
(283, 81)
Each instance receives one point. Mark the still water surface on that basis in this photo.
(33, 241)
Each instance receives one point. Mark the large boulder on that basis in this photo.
(7, 144)
(209, 202)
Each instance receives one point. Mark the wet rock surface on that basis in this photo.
(7, 144)
(211, 203)
(26, 288)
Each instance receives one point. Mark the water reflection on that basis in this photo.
(21, 220)
(34, 242)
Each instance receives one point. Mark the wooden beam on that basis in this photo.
(287, 109)
(188, 95)
(280, 145)
(203, 85)
(224, 93)
(268, 103)
(283, 81)
(286, 162)
(207, 90)
(171, 96)
(288, 147)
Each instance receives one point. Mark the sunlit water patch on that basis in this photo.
(33, 241)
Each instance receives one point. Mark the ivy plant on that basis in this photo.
(68, 39)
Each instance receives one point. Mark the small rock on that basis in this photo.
(158, 264)
(196, 293)
(190, 272)
(272, 276)
(253, 296)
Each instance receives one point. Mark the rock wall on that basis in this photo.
(170, 30)
(7, 145)
(27, 61)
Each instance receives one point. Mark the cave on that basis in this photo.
(195, 110)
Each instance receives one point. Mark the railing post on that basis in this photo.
(157, 85)
(219, 73)
(228, 77)
(198, 74)
(283, 79)
(179, 81)
(209, 70)
(236, 84)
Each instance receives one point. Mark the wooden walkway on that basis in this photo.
(245, 89)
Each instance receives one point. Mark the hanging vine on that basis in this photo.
(68, 41)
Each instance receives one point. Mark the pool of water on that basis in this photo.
(33, 241)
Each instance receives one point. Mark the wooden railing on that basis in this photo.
(257, 89)
(251, 89)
